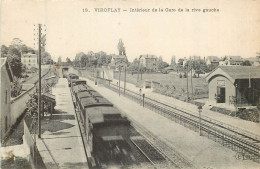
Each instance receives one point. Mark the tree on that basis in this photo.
(18, 44)
(134, 66)
(12, 50)
(16, 87)
(121, 48)
(68, 61)
(246, 63)
(4, 51)
(15, 64)
(32, 108)
(162, 65)
(199, 66)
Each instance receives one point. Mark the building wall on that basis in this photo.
(18, 104)
(223, 82)
(151, 63)
(29, 61)
(5, 101)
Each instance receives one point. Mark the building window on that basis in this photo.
(6, 97)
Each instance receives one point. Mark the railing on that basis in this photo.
(230, 136)
(226, 134)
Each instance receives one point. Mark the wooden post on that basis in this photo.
(191, 81)
(119, 81)
(39, 83)
(52, 107)
(143, 99)
(125, 81)
(42, 108)
(187, 74)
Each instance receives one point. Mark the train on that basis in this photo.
(105, 128)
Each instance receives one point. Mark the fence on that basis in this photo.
(226, 135)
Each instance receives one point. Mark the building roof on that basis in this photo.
(237, 58)
(235, 72)
(213, 58)
(119, 56)
(29, 54)
(49, 97)
(149, 56)
(8, 68)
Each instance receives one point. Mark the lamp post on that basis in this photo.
(200, 110)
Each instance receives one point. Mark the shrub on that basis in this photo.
(16, 87)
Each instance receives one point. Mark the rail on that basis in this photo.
(168, 152)
(232, 137)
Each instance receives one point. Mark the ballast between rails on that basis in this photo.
(226, 132)
(178, 160)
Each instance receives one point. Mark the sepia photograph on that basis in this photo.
(130, 84)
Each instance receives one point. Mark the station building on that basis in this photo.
(231, 86)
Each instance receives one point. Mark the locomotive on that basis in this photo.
(105, 128)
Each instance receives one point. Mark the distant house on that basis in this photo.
(255, 61)
(118, 60)
(29, 60)
(6, 80)
(230, 85)
(150, 62)
(212, 60)
(194, 57)
(231, 61)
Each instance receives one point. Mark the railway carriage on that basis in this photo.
(106, 129)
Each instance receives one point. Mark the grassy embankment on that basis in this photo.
(172, 85)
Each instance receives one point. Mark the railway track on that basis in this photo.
(234, 138)
(149, 152)
(173, 157)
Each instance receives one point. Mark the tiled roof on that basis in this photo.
(8, 68)
(149, 56)
(242, 72)
(213, 58)
(235, 72)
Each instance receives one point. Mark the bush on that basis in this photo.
(16, 87)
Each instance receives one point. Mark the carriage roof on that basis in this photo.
(103, 114)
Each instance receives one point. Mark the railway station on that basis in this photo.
(130, 85)
(144, 121)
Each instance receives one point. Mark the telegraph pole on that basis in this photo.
(187, 82)
(125, 80)
(39, 83)
(119, 79)
(191, 81)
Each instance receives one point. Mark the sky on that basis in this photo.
(234, 30)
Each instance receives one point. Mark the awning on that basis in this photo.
(49, 98)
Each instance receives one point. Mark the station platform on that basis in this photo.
(200, 151)
(243, 125)
(61, 145)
